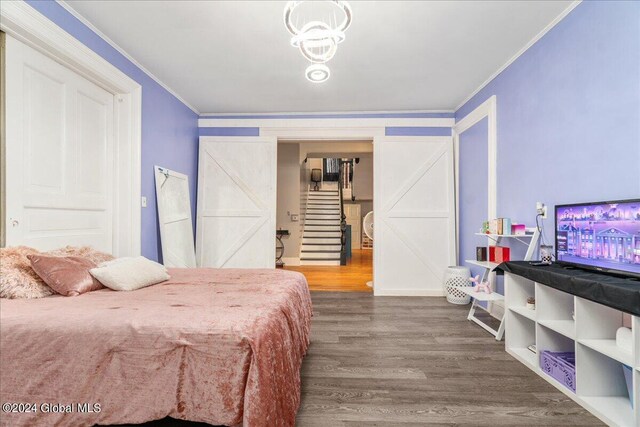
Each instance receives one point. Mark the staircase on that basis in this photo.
(321, 233)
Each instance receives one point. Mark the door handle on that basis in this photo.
(15, 223)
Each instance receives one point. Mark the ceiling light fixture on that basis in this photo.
(317, 38)
(317, 73)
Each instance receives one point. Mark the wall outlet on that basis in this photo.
(144, 202)
(541, 209)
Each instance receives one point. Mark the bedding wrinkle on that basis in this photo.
(223, 347)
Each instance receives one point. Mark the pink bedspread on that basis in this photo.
(217, 346)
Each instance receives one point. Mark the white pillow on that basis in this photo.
(129, 273)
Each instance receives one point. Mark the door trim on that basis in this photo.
(27, 25)
(487, 109)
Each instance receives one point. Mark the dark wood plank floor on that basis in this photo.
(417, 361)
(398, 361)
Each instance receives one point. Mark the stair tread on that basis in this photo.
(321, 244)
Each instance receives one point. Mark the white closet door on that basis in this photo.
(174, 218)
(236, 220)
(414, 220)
(59, 154)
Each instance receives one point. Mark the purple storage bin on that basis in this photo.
(628, 377)
(561, 366)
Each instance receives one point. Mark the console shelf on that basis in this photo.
(563, 322)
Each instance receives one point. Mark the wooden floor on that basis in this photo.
(417, 361)
(398, 361)
(352, 277)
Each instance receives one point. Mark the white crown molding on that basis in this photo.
(124, 53)
(328, 123)
(397, 112)
(526, 47)
(323, 133)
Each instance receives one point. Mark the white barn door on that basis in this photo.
(236, 219)
(59, 154)
(414, 214)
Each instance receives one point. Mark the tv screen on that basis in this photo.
(604, 236)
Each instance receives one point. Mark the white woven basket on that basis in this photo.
(457, 277)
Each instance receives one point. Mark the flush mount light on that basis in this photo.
(317, 73)
(317, 28)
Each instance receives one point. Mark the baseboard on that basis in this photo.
(291, 261)
(407, 292)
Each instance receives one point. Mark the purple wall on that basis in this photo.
(389, 131)
(568, 116)
(230, 131)
(169, 128)
(417, 131)
(473, 190)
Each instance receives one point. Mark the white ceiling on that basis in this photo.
(235, 56)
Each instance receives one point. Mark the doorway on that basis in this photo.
(324, 190)
(414, 204)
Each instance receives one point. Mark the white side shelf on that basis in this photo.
(481, 296)
(563, 322)
(484, 264)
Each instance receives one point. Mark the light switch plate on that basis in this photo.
(294, 217)
(144, 202)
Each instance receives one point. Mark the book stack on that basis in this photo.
(500, 226)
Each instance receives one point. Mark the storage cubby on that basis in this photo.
(519, 337)
(597, 327)
(600, 382)
(548, 339)
(517, 293)
(555, 310)
(602, 385)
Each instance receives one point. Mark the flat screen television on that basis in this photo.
(602, 236)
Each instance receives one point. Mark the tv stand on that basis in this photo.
(563, 321)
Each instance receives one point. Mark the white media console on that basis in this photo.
(600, 381)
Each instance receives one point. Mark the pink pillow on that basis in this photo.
(68, 276)
(17, 278)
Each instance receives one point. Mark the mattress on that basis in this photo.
(217, 346)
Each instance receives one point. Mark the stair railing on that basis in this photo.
(343, 217)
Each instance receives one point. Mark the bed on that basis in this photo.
(217, 346)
